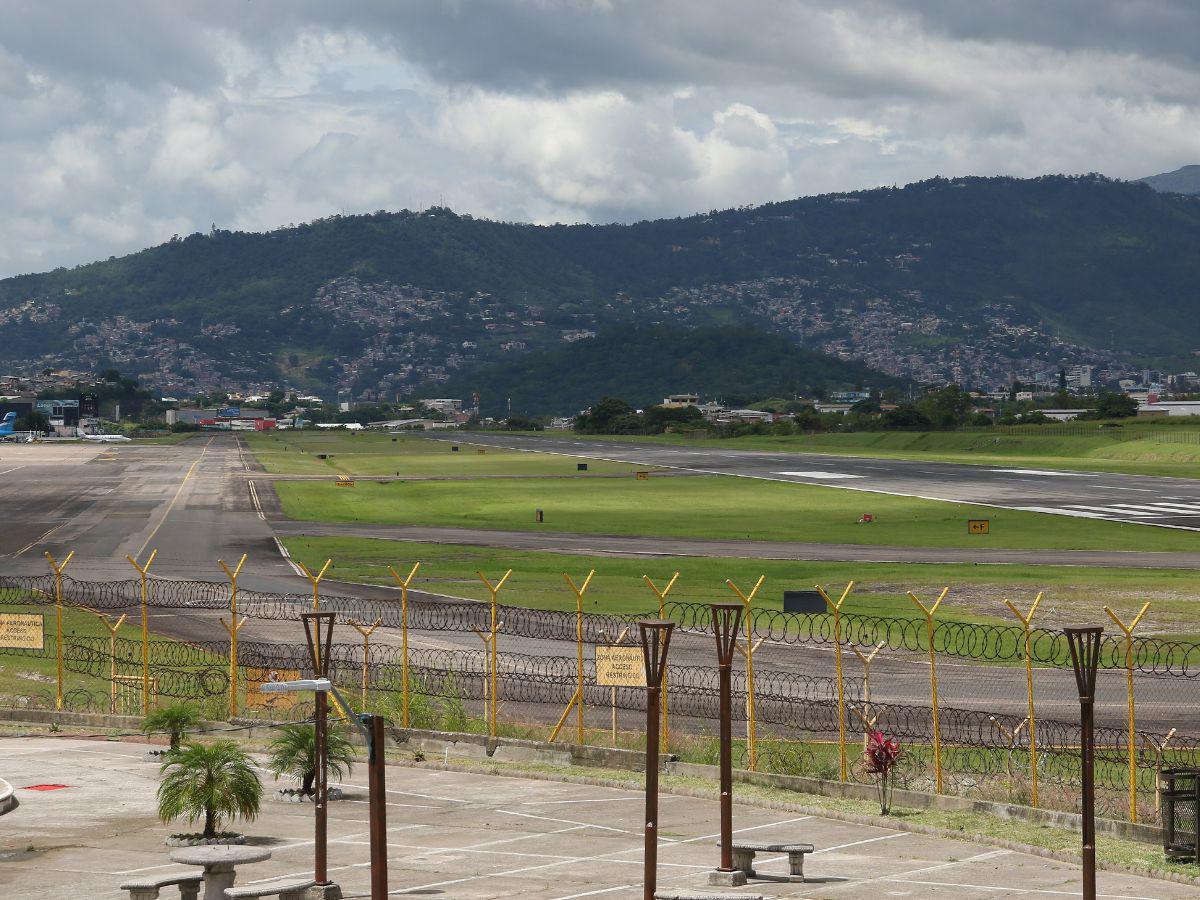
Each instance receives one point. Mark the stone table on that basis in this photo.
(220, 862)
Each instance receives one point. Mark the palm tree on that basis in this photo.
(177, 719)
(216, 782)
(294, 752)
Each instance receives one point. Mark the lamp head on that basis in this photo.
(656, 638)
(1084, 644)
(727, 622)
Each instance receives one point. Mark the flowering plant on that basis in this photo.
(879, 759)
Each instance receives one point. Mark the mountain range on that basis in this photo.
(1184, 180)
(978, 280)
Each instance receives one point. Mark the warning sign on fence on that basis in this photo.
(256, 678)
(620, 667)
(23, 630)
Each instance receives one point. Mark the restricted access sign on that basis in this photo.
(21, 630)
(620, 667)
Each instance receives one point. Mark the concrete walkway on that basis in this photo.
(462, 836)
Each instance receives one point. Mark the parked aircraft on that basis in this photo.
(7, 432)
(103, 438)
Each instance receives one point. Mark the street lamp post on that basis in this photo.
(318, 632)
(371, 727)
(656, 638)
(727, 624)
(1085, 659)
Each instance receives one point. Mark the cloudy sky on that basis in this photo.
(124, 122)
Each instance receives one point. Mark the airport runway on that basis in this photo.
(1140, 499)
(192, 501)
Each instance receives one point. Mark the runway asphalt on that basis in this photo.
(1141, 499)
(193, 502)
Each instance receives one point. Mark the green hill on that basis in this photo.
(643, 365)
(980, 275)
(1184, 180)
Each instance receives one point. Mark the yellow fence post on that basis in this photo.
(613, 689)
(1032, 718)
(1128, 630)
(112, 659)
(365, 631)
(493, 589)
(665, 742)
(142, 570)
(865, 659)
(1160, 750)
(315, 581)
(748, 653)
(233, 628)
(1011, 735)
(937, 730)
(404, 583)
(58, 631)
(576, 698)
(843, 773)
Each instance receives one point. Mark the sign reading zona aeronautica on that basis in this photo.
(21, 630)
(620, 667)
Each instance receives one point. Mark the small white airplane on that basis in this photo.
(103, 438)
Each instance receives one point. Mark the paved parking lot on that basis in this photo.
(454, 835)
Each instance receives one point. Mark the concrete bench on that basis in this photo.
(148, 886)
(284, 888)
(700, 895)
(743, 856)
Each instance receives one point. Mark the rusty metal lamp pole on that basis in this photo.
(1085, 659)
(318, 632)
(727, 624)
(656, 638)
(371, 727)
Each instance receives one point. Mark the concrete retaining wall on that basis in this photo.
(436, 744)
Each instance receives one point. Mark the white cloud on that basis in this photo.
(117, 131)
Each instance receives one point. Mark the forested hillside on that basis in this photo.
(643, 365)
(970, 278)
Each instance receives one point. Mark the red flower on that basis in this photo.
(882, 753)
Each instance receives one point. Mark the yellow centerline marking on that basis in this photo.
(175, 499)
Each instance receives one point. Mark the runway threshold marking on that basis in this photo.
(1077, 511)
(170, 506)
(822, 475)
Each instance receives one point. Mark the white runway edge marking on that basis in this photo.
(254, 499)
(822, 475)
(1049, 472)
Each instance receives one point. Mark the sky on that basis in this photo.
(125, 122)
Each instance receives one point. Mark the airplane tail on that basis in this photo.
(6, 426)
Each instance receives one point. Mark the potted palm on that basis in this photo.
(176, 719)
(293, 752)
(213, 782)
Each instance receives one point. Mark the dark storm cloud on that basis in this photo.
(122, 123)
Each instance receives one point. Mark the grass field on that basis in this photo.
(1136, 450)
(22, 675)
(363, 453)
(977, 592)
(711, 507)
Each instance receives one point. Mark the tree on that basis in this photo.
(177, 719)
(947, 407)
(1116, 406)
(294, 752)
(906, 416)
(215, 782)
(35, 421)
(600, 418)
